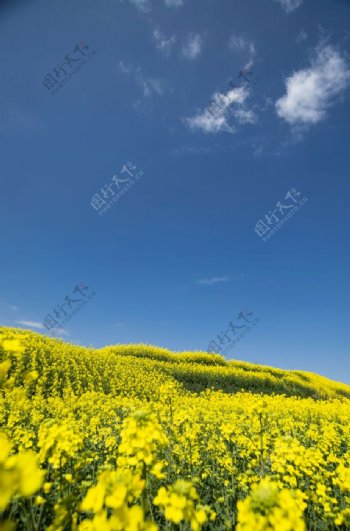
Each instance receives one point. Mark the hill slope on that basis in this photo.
(138, 438)
(61, 364)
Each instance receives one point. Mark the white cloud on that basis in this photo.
(143, 6)
(216, 116)
(238, 43)
(302, 36)
(126, 69)
(163, 44)
(290, 5)
(62, 332)
(32, 324)
(311, 91)
(173, 3)
(5, 306)
(214, 280)
(193, 46)
(150, 86)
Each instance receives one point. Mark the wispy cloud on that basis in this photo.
(150, 86)
(216, 117)
(162, 43)
(143, 6)
(62, 332)
(173, 3)
(301, 37)
(32, 324)
(214, 280)
(193, 46)
(240, 44)
(311, 91)
(39, 326)
(289, 5)
(6, 306)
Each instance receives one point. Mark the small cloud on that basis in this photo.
(126, 69)
(173, 3)
(5, 306)
(143, 6)
(162, 43)
(32, 324)
(62, 332)
(301, 37)
(193, 46)
(216, 117)
(214, 280)
(243, 47)
(119, 324)
(149, 86)
(311, 91)
(239, 44)
(58, 332)
(289, 5)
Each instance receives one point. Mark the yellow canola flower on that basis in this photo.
(12, 345)
(141, 438)
(58, 441)
(30, 377)
(19, 473)
(125, 519)
(342, 478)
(109, 501)
(179, 503)
(115, 430)
(269, 508)
(4, 368)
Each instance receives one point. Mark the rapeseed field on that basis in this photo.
(138, 438)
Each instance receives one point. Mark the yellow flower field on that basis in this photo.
(139, 438)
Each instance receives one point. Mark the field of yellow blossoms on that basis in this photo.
(138, 438)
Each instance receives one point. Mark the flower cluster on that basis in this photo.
(19, 473)
(179, 502)
(270, 508)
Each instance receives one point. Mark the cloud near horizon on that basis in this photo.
(214, 280)
(31, 324)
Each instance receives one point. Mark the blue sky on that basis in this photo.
(176, 257)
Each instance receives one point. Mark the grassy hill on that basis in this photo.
(107, 369)
(138, 438)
